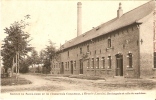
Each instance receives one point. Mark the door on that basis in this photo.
(81, 66)
(119, 65)
(62, 68)
(71, 67)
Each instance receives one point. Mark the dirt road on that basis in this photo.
(53, 83)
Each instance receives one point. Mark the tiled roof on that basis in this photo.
(126, 19)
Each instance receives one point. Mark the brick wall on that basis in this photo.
(123, 41)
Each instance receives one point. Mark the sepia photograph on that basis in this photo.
(78, 50)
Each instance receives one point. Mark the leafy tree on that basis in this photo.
(16, 41)
(35, 59)
(25, 66)
(47, 55)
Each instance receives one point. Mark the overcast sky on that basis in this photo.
(57, 20)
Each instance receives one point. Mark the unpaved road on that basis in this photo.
(53, 83)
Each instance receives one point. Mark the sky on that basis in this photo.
(57, 20)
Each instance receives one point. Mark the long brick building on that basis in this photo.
(123, 46)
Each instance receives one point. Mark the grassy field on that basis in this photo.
(9, 81)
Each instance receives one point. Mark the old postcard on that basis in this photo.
(78, 50)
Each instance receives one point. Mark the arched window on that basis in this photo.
(92, 62)
(109, 62)
(97, 63)
(130, 60)
(103, 62)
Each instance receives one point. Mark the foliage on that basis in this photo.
(34, 57)
(25, 66)
(48, 54)
(17, 40)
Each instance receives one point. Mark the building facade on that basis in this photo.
(123, 46)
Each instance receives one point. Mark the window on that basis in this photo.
(88, 63)
(75, 64)
(68, 65)
(109, 43)
(80, 50)
(109, 62)
(56, 65)
(87, 48)
(92, 62)
(154, 59)
(97, 63)
(130, 60)
(68, 53)
(103, 62)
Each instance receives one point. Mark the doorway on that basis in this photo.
(81, 66)
(71, 67)
(62, 68)
(119, 65)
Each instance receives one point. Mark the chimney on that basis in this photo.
(79, 20)
(120, 11)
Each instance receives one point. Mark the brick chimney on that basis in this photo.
(79, 19)
(120, 11)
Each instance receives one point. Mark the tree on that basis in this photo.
(48, 54)
(25, 66)
(16, 42)
(35, 59)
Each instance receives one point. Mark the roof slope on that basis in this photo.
(114, 24)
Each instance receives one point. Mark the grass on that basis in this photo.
(130, 84)
(41, 88)
(8, 81)
(111, 84)
(86, 77)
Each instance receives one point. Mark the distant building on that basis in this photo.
(123, 46)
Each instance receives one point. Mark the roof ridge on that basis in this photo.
(113, 24)
(138, 7)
